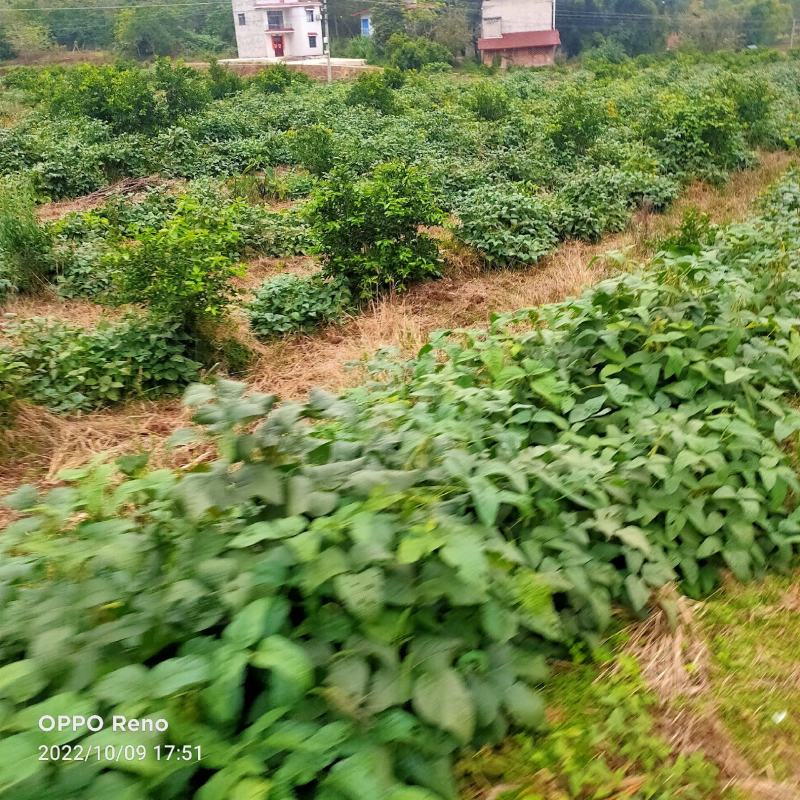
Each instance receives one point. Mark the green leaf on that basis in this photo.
(442, 699)
(268, 531)
(525, 706)
(176, 675)
(709, 546)
(637, 591)
(287, 659)
(249, 624)
(361, 592)
(582, 411)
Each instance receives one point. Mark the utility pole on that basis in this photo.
(794, 32)
(326, 43)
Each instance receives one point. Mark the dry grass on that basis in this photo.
(82, 313)
(44, 443)
(133, 189)
(291, 366)
(259, 269)
(675, 660)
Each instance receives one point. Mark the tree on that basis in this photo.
(386, 20)
(766, 21)
(6, 49)
(644, 29)
(453, 30)
(149, 31)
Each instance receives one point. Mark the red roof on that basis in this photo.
(510, 41)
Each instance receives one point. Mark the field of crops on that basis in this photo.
(356, 589)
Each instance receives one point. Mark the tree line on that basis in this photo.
(29, 28)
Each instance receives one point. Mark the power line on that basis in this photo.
(192, 4)
(114, 8)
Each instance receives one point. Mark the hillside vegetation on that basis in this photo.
(353, 175)
(344, 598)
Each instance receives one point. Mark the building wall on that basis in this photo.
(253, 40)
(520, 57)
(516, 16)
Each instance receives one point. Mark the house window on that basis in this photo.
(275, 20)
(365, 26)
(242, 19)
(309, 15)
(312, 40)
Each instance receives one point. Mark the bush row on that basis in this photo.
(463, 136)
(514, 224)
(71, 369)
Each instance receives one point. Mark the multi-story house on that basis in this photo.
(278, 28)
(518, 32)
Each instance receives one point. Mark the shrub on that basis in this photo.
(25, 246)
(590, 204)
(121, 96)
(489, 101)
(368, 228)
(507, 226)
(182, 271)
(69, 369)
(184, 89)
(372, 91)
(695, 232)
(271, 185)
(274, 234)
(9, 384)
(277, 78)
(82, 269)
(312, 148)
(294, 304)
(696, 136)
(405, 52)
(223, 82)
(126, 97)
(577, 117)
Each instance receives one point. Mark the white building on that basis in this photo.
(518, 32)
(365, 21)
(278, 28)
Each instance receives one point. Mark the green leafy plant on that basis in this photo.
(592, 203)
(69, 369)
(25, 246)
(372, 90)
(312, 146)
(406, 52)
(489, 101)
(360, 586)
(295, 304)
(277, 78)
(369, 229)
(183, 270)
(507, 226)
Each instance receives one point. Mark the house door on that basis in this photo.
(277, 45)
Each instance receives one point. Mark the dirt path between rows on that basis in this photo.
(43, 443)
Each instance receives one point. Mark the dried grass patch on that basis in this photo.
(258, 270)
(82, 313)
(675, 660)
(131, 188)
